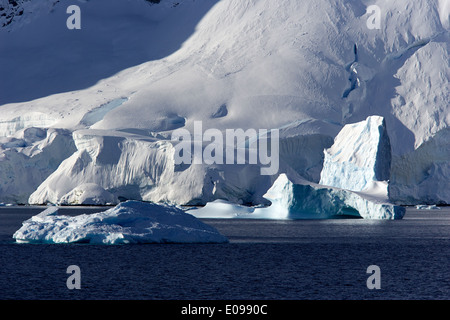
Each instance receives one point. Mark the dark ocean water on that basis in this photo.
(265, 260)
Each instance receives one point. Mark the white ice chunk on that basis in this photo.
(299, 201)
(308, 201)
(221, 209)
(50, 211)
(361, 153)
(127, 223)
(425, 207)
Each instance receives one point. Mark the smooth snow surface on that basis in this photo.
(128, 223)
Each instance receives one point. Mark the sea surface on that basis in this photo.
(264, 260)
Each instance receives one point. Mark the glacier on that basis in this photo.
(426, 179)
(130, 222)
(97, 130)
(124, 166)
(28, 157)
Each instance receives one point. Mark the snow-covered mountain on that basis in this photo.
(113, 92)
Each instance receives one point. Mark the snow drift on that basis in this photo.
(128, 223)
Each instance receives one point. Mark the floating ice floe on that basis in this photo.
(129, 222)
(427, 207)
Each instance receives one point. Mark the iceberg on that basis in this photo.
(130, 222)
(294, 201)
(361, 153)
(222, 209)
(425, 207)
(311, 201)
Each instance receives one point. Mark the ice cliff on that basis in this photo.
(361, 153)
(119, 166)
(28, 157)
(422, 177)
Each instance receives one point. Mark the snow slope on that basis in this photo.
(136, 71)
